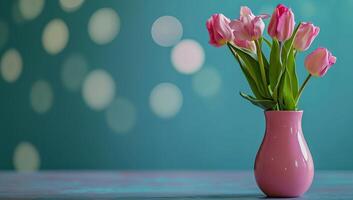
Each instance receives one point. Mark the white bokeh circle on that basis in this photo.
(30, 9)
(11, 65)
(188, 56)
(166, 100)
(167, 31)
(121, 115)
(71, 5)
(104, 25)
(41, 96)
(26, 158)
(55, 36)
(207, 82)
(98, 89)
(73, 72)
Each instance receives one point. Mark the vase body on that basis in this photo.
(283, 165)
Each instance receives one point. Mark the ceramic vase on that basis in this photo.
(283, 165)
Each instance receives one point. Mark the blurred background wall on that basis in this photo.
(133, 84)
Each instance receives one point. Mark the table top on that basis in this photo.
(158, 185)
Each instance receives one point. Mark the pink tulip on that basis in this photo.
(319, 61)
(282, 23)
(246, 44)
(219, 30)
(248, 26)
(306, 34)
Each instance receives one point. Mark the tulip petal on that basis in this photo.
(319, 62)
(219, 30)
(285, 26)
(245, 11)
(239, 30)
(306, 34)
(332, 60)
(248, 26)
(282, 23)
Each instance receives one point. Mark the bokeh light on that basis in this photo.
(188, 56)
(121, 115)
(30, 9)
(11, 65)
(4, 33)
(103, 25)
(98, 89)
(207, 82)
(167, 31)
(166, 100)
(26, 157)
(71, 5)
(55, 36)
(41, 96)
(73, 72)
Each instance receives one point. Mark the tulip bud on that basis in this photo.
(219, 31)
(306, 34)
(248, 26)
(319, 61)
(281, 26)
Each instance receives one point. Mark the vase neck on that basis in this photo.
(283, 119)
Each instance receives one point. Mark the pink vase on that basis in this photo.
(283, 165)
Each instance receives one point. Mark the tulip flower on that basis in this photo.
(264, 73)
(248, 26)
(246, 44)
(306, 34)
(219, 31)
(281, 26)
(319, 61)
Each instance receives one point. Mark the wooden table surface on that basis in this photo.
(154, 185)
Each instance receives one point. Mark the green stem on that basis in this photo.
(262, 67)
(277, 106)
(302, 87)
(280, 52)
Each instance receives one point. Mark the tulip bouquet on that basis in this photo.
(273, 80)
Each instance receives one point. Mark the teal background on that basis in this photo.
(219, 132)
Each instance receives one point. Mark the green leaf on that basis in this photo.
(291, 69)
(277, 86)
(267, 68)
(275, 63)
(284, 53)
(288, 93)
(265, 104)
(266, 63)
(288, 45)
(280, 90)
(251, 82)
(248, 77)
(289, 86)
(285, 98)
(252, 67)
